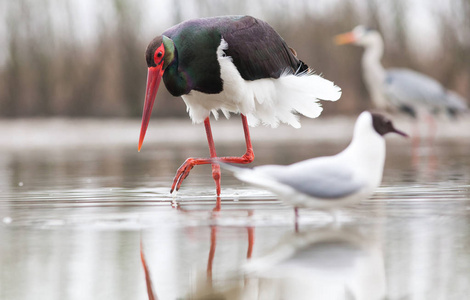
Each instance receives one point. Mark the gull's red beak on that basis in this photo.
(154, 76)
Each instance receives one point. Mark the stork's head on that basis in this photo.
(160, 53)
(360, 35)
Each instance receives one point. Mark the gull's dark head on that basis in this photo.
(383, 125)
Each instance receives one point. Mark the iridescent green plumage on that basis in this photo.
(255, 47)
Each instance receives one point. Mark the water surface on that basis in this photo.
(72, 220)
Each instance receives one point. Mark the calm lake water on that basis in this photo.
(73, 220)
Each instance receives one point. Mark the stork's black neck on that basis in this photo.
(176, 81)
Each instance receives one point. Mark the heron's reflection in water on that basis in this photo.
(325, 263)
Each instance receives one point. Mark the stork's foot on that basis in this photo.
(185, 168)
(182, 173)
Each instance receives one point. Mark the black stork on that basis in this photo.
(232, 64)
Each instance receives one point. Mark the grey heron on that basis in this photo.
(401, 89)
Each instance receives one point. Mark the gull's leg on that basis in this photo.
(296, 213)
(432, 130)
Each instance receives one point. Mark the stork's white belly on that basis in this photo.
(268, 101)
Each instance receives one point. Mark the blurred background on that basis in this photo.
(85, 58)
(76, 200)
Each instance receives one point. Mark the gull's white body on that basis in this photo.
(326, 182)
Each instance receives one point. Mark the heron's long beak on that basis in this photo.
(345, 38)
(154, 76)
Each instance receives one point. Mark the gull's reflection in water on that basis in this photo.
(325, 263)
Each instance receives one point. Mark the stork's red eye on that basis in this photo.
(159, 53)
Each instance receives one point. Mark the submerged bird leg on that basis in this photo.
(415, 144)
(432, 130)
(296, 213)
(210, 260)
(186, 167)
(251, 241)
(251, 237)
(148, 279)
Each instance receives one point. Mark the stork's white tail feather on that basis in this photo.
(268, 101)
(278, 100)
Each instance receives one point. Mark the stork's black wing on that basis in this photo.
(258, 51)
(256, 48)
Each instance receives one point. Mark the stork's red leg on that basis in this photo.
(186, 167)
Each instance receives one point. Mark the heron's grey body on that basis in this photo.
(398, 88)
(329, 181)
(413, 92)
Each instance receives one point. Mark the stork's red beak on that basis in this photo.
(154, 76)
(345, 38)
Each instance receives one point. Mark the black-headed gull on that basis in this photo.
(330, 181)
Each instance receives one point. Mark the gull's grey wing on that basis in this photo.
(318, 178)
